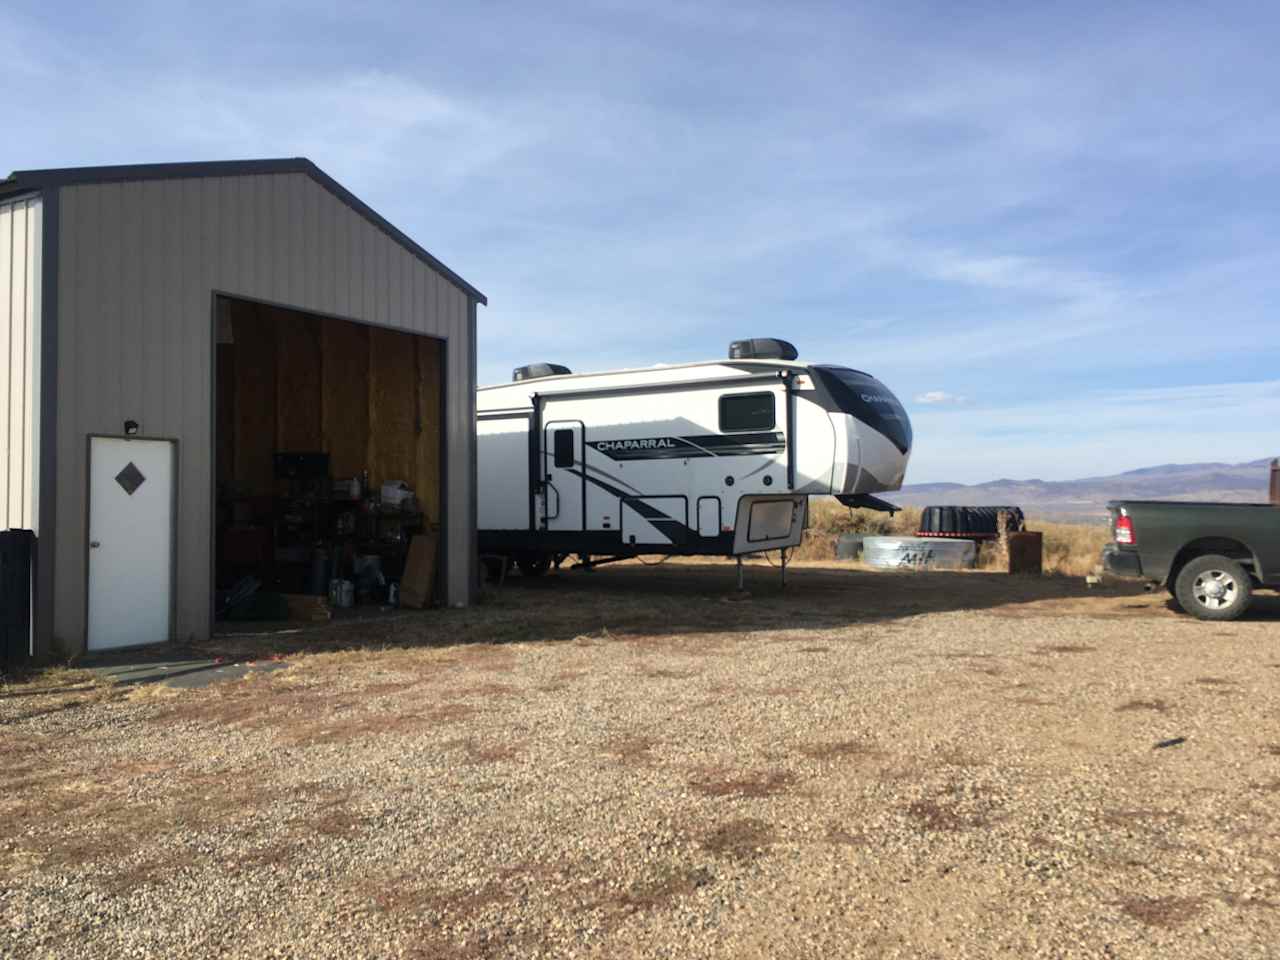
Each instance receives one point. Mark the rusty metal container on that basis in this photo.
(1275, 482)
(1026, 552)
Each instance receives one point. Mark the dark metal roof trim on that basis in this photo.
(21, 181)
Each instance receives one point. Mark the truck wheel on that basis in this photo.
(1214, 588)
(533, 564)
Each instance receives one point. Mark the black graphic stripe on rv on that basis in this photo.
(673, 529)
(682, 448)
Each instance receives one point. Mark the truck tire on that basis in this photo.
(1214, 588)
(968, 521)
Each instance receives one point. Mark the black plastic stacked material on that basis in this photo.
(972, 523)
(17, 554)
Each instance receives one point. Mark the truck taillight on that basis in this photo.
(1124, 530)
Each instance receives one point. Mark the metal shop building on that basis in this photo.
(220, 372)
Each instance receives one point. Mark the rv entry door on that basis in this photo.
(565, 475)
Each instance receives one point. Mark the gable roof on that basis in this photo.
(26, 181)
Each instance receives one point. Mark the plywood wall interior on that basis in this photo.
(299, 385)
(393, 405)
(368, 396)
(255, 400)
(344, 404)
(427, 466)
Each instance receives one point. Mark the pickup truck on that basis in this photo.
(1210, 556)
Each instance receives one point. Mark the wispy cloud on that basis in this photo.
(1028, 212)
(939, 398)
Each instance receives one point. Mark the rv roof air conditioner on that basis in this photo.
(535, 370)
(762, 348)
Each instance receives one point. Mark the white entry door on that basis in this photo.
(130, 541)
(566, 475)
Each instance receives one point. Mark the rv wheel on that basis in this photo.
(533, 564)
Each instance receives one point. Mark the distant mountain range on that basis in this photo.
(1087, 498)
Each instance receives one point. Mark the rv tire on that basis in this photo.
(533, 564)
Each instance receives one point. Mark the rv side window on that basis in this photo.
(747, 411)
(563, 440)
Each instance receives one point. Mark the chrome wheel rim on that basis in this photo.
(1216, 590)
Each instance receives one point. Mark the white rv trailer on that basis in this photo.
(715, 458)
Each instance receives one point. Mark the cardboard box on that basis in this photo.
(305, 606)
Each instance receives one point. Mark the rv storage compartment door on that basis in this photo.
(768, 523)
(566, 480)
(708, 517)
(656, 521)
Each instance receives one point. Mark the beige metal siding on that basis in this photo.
(20, 245)
(139, 262)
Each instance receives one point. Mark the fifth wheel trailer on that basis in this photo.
(715, 458)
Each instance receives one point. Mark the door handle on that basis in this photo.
(94, 544)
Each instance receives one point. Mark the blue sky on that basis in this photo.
(1053, 230)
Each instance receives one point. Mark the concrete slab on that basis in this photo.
(136, 668)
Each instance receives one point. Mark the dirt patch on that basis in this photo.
(1165, 912)
(840, 750)
(662, 673)
(388, 688)
(1156, 706)
(369, 726)
(846, 838)
(631, 750)
(933, 815)
(784, 691)
(758, 784)
(481, 753)
(1065, 648)
(1027, 700)
(449, 713)
(485, 690)
(743, 840)
(954, 808)
(1143, 817)
(663, 885)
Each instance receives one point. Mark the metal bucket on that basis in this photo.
(342, 593)
(849, 546)
(919, 553)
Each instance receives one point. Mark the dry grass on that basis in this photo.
(1070, 549)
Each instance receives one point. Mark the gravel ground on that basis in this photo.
(627, 764)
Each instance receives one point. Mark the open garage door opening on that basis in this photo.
(328, 463)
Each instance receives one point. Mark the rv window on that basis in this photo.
(747, 411)
(564, 448)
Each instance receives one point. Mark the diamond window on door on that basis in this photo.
(130, 478)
